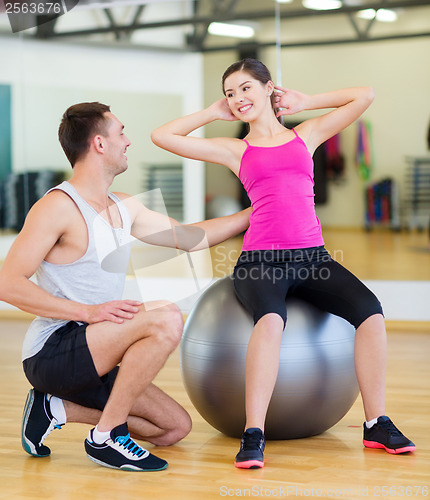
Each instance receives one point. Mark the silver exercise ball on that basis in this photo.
(316, 384)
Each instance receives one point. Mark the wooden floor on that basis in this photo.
(334, 464)
(201, 466)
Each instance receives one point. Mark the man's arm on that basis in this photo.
(45, 224)
(158, 229)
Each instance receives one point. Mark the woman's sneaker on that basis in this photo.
(384, 434)
(252, 446)
(37, 423)
(121, 452)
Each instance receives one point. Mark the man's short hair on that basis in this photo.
(80, 123)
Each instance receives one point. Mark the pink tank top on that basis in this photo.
(279, 181)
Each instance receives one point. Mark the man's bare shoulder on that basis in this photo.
(55, 206)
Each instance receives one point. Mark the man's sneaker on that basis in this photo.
(121, 452)
(384, 434)
(37, 423)
(250, 455)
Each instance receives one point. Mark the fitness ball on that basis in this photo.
(316, 384)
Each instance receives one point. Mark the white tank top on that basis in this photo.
(97, 277)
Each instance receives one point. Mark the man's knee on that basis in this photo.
(167, 323)
(183, 425)
(174, 323)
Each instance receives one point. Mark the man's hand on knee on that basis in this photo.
(115, 311)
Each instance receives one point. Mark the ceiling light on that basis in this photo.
(352, 3)
(366, 14)
(383, 15)
(322, 4)
(284, 1)
(386, 15)
(233, 30)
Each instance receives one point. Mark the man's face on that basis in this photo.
(116, 144)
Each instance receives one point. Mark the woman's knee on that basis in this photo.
(273, 321)
(367, 309)
(373, 322)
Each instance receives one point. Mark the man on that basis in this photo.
(75, 240)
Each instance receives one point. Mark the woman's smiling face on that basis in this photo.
(246, 96)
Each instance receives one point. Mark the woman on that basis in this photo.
(283, 249)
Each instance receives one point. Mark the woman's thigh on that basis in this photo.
(262, 289)
(334, 289)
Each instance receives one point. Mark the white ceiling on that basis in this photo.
(182, 24)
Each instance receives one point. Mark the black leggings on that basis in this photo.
(264, 278)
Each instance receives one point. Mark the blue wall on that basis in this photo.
(5, 131)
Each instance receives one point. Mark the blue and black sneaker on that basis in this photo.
(37, 423)
(121, 452)
(384, 434)
(252, 446)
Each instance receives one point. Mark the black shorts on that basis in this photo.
(64, 368)
(264, 278)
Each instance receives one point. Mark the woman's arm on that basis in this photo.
(159, 229)
(349, 105)
(173, 137)
(221, 229)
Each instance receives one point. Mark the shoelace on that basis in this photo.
(391, 428)
(251, 442)
(50, 428)
(54, 422)
(130, 445)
